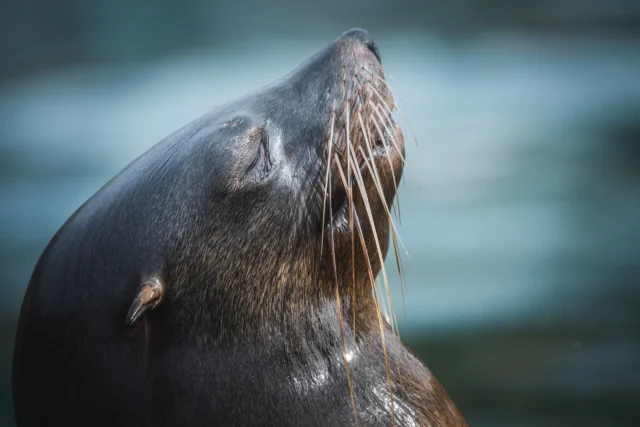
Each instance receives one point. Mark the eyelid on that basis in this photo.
(262, 154)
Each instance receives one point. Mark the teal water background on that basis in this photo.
(520, 203)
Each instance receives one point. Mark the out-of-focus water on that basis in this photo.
(520, 204)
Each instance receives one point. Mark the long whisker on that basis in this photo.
(344, 348)
(368, 143)
(388, 157)
(346, 359)
(348, 188)
(401, 276)
(378, 186)
(377, 110)
(367, 206)
(396, 206)
(388, 115)
(390, 110)
(349, 192)
(394, 234)
(382, 100)
(374, 120)
(381, 79)
(373, 170)
(367, 102)
(373, 287)
(380, 323)
(326, 181)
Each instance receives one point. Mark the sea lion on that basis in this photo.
(224, 277)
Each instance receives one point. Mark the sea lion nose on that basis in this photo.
(363, 37)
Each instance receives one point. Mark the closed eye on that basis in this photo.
(261, 164)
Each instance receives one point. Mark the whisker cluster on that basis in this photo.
(362, 133)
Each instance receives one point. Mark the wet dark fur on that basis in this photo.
(228, 213)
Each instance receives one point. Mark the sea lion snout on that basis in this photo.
(361, 35)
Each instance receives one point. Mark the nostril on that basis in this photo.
(363, 37)
(374, 49)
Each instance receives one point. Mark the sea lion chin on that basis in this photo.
(224, 277)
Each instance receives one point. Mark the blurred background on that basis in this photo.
(520, 203)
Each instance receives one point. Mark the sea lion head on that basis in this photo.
(292, 179)
(257, 207)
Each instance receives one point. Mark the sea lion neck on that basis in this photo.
(211, 302)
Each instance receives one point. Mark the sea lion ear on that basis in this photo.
(149, 296)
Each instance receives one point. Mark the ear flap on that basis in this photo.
(149, 296)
